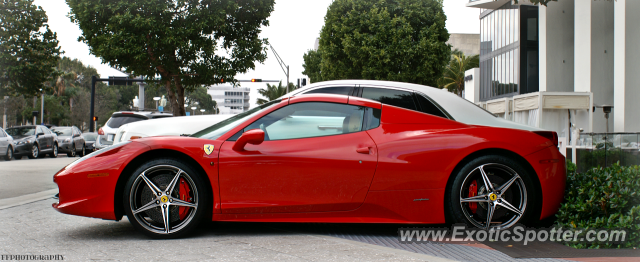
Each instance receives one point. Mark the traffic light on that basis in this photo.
(256, 80)
(95, 118)
(221, 80)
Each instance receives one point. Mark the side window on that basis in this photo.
(335, 90)
(312, 119)
(2, 134)
(426, 106)
(372, 118)
(39, 130)
(392, 97)
(46, 130)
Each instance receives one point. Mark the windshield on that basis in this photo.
(21, 131)
(62, 131)
(215, 131)
(117, 121)
(90, 136)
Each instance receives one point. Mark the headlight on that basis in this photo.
(96, 153)
(67, 140)
(22, 142)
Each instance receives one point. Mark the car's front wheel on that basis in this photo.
(54, 151)
(35, 151)
(82, 152)
(9, 154)
(165, 198)
(492, 192)
(72, 152)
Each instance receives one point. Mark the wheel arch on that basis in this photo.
(141, 159)
(501, 152)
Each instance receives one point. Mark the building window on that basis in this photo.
(508, 51)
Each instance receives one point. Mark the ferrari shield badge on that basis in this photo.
(208, 149)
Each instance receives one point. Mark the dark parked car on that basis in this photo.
(71, 140)
(6, 145)
(89, 140)
(33, 141)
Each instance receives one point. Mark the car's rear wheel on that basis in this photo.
(166, 198)
(72, 152)
(492, 192)
(9, 154)
(54, 151)
(35, 151)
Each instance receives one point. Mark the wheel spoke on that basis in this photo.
(506, 185)
(151, 185)
(165, 218)
(148, 206)
(481, 198)
(511, 208)
(485, 178)
(490, 210)
(173, 183)
(179, 202)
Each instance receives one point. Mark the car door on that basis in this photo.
(42, 139)
(75, 138)
(50, 137)
(315, 157)
(4, 142)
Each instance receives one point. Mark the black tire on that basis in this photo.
(9, 154)
(513, 205)
(72, 152)
(151, 221)
(54, 151)
(82, 152)
(35, 151)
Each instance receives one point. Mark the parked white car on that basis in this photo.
(171, 126)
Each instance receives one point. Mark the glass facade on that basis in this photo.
(501, 58)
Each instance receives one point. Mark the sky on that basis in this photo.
(293, 28)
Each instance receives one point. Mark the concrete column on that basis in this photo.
(582, 43)
(542, 48)
(141, 86)
(619, 68)
(472, 86)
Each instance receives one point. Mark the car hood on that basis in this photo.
(22, 137)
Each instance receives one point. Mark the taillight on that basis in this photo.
(100, 132)
(553, 136)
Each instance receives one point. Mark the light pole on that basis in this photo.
(157, 98)
(193, 108)
(42, 107)
(4, 116)
(202, 111)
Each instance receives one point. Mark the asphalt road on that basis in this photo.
(28, 176)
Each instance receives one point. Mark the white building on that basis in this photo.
(230, 100)
(555, 65)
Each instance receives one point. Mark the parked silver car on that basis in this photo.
(6, 145)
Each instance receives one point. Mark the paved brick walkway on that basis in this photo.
(37, 229)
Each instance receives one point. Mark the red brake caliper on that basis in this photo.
(473, 191)
(185, 195)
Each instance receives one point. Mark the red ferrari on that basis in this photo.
(323, 158)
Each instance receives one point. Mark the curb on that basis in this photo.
(26, 199)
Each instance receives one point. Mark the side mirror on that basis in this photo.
(40, 134)
(253, 136)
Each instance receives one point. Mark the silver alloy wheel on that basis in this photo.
(55, 150)
(163, 197)
(492, 197)
(35, 151)
(83, 152)
(9, 153)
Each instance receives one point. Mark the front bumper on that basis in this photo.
(65, 147)
(23, 149)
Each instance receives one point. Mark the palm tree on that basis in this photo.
(272, 92)
(453, 76)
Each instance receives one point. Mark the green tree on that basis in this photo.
(311, 65)
(453, 77)
(273, 92)
(187, 43)
(199, 94)
(28, 49)
(397, 40)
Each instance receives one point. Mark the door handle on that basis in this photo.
(363, 150)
